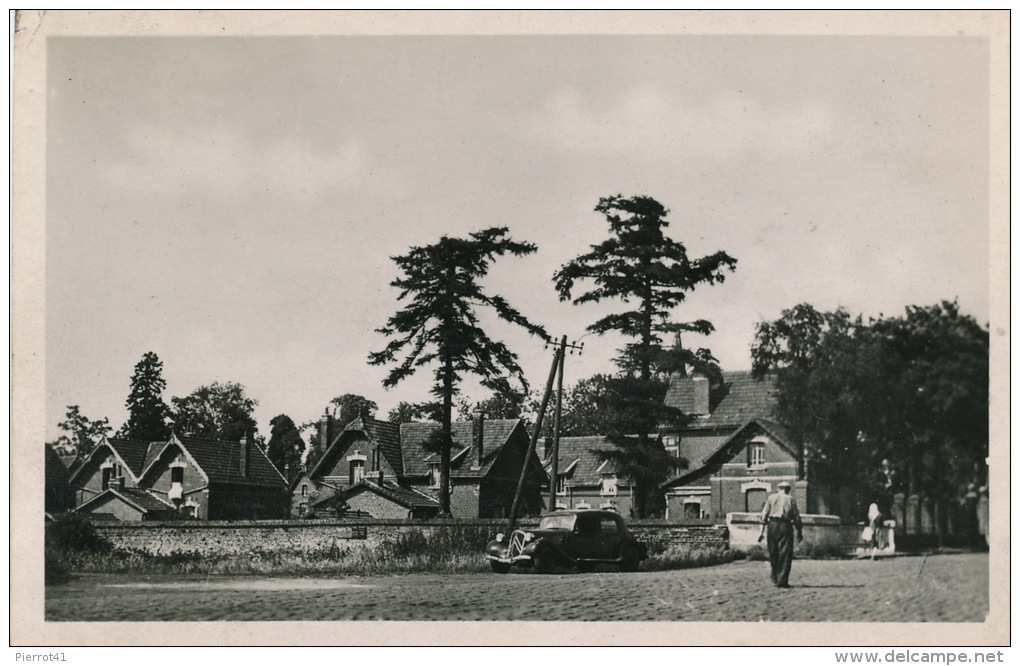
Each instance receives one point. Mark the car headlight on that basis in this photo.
(528, 536)
(500, 537)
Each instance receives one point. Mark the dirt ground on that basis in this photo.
(942, 588)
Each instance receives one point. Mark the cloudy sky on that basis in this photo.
(232, 203)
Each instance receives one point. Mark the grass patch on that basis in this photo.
(687, 557)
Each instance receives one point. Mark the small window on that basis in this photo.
(304, 490)
(176, 475)
(756, 454)
(608, 484)
(434, 475)
(107, 475)
(692, 510)
(357, 471)
(561, 484)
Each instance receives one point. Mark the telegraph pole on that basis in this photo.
(555, 468)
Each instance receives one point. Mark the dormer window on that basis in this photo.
(433, 475)
(608, 486)
(756, 454)
(356, 465)
(561, 484)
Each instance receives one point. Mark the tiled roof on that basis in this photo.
(701, 449)
(221, 462)
(581, 453)
(746, 398)
(144, 499)
(140, 499)
(496, 432)
(387, 435)
(391, 491)
(132, 452)
(413, 451)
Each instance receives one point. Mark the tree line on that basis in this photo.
(902, 395)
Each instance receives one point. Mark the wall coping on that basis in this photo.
(363, 522)
(805, 518)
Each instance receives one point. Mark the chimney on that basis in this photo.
(325, 426)
(245, 454)
(701, 395)
(547, 443)
(479, 433)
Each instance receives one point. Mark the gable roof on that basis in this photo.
(745, 398)
(495, 434)
(220, 460)
(386, 435)
(140, 499)
(715, 450)
(578, 455)
(130, 452)
(405, 497)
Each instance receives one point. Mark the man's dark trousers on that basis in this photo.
(780, 542)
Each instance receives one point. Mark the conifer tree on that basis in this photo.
(638, 264)
(147, 413)
(439, 325)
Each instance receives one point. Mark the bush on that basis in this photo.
(73, 532)
(56, 569)
(687, 557)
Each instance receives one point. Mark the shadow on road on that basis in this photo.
(820, 586)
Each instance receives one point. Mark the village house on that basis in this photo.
(583, 479)
(183, 477)
(380, 469)
(736, 453)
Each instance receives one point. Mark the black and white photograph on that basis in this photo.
(510, 328)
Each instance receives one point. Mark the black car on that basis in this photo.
(569, 538)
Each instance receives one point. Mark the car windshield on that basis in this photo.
(561, 522)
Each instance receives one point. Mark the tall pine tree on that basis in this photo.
(147, 413)
(440, 325)
(638, 264)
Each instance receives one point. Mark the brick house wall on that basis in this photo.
(194, 487)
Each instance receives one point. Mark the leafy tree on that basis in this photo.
(348, 407)
(218, 411)
(638, 264)
(81, 434)
(440, 325)
(147, 413)
(511, 405)
(285, 447)
(407, 412)
(893, 404)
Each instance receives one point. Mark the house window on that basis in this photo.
(304, 490)
(608, 484)
(561, 484)
(756, 454)
(692, 510)
(107, 475)
(357, 470)
(176, 475)
(434, 475)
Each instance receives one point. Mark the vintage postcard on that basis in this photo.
(287, 287)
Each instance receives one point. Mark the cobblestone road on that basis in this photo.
(943, 588)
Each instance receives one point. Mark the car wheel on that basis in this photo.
(630, 559)
(499, 567)
(545, 561)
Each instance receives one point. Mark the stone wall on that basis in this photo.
(236, 538)
(820, 532)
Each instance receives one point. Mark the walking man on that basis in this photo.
(780, 516)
